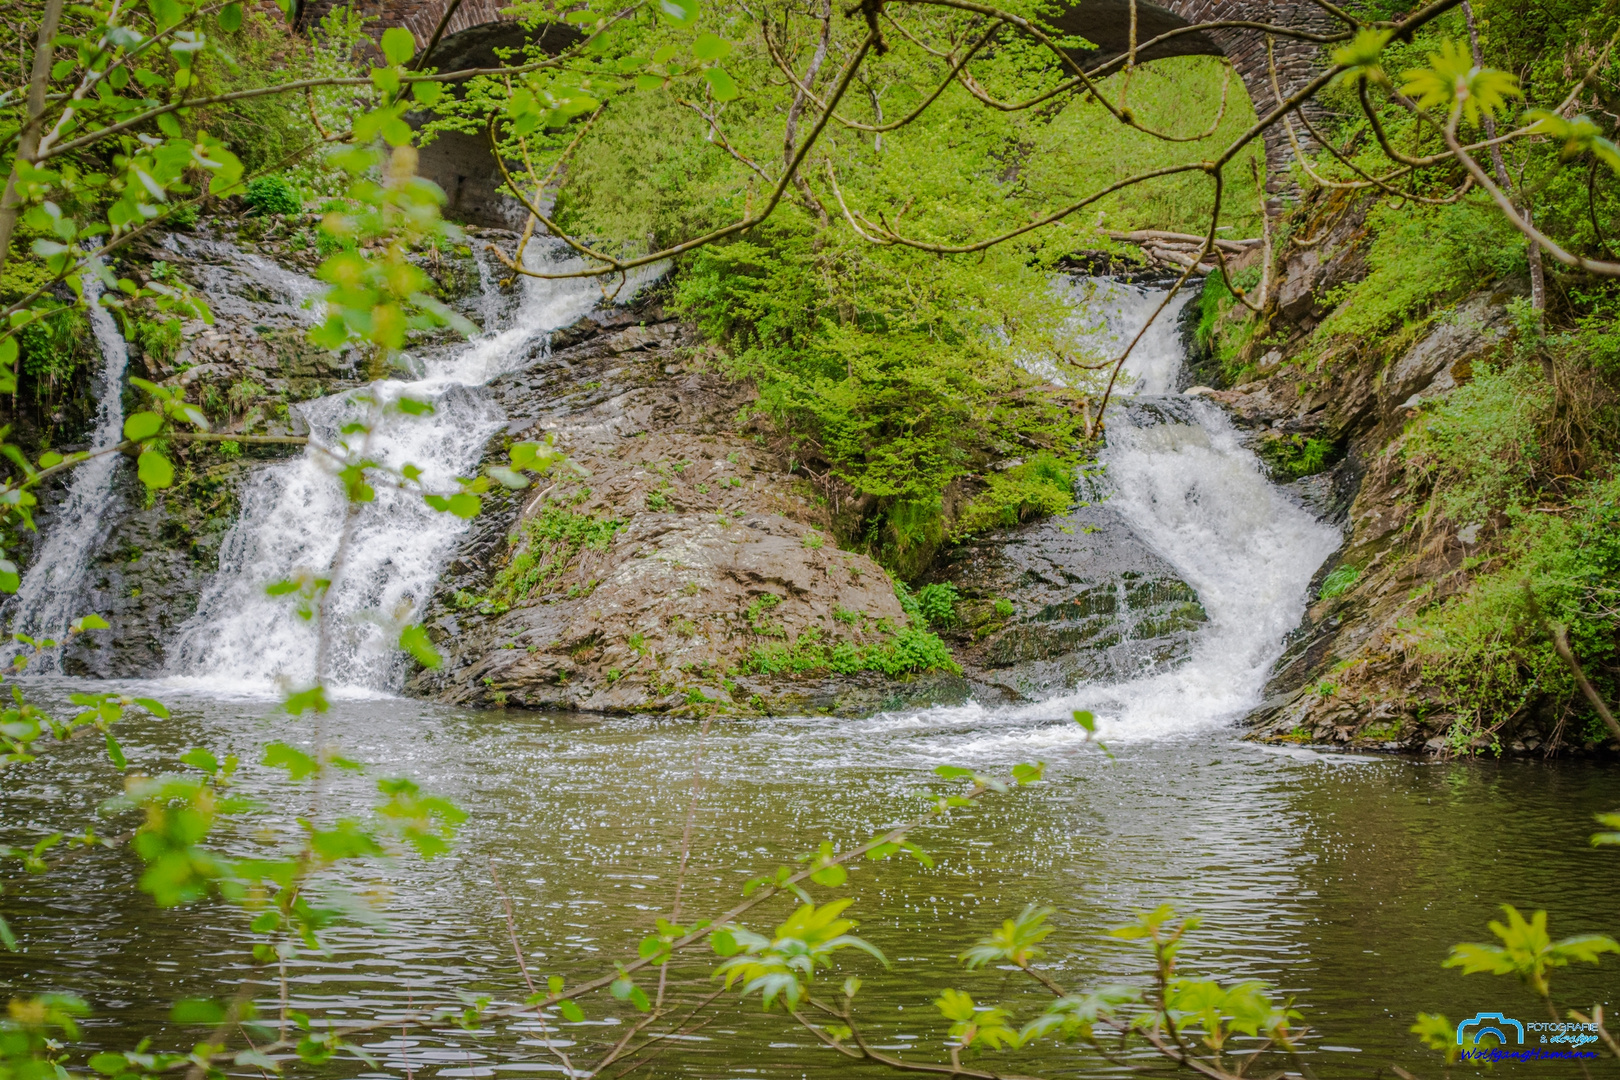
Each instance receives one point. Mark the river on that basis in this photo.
(1342, 880)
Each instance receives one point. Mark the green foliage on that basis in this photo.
(1526, 951)
(1419, 258)
(1016, 942)
(1224, 325)
(1489, 650)
(1040, 487)
(1339, 580)
(784, 966)
(159, 340)
(937, 604)
(909, 652)
(272, 195)
(545, 546)
(1291, 457)
(882, 360)
(52, 350)
(1480, 451)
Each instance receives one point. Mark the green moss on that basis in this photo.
(545, 546)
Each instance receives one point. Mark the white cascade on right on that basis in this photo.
(1201, 501)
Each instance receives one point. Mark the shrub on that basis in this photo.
(1040, 487)
(937, 604)
(51, 350)
(1292, 457)
(545, 546)
(272, 195)
(160, 341)
(1488, 651)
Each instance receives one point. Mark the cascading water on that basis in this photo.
(1109, 315)
(1177, 473)
(53, 589)
(1200, 501)
(293, 514)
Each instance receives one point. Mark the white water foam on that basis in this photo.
(53, 590)
(243, 641)
(1201, 501)
(1110, 313)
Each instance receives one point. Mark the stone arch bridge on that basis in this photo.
(464, 167)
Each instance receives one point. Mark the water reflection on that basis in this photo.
(1342, 880)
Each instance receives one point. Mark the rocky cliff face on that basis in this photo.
(674, 565)
(1348, 677)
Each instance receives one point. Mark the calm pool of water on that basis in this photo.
(1341, 880)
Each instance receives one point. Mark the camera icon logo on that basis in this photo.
(1490, 1023)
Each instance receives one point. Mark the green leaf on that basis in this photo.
(398, 44)
(1086, 720)
(720, 84)
(414, 640)
(153, 706)
(311, 700)
(154, 469)
(143, 425)
(279, 755)
(116, 752)
(830, 876)
(1361, 58)
(199, 758)
(679, 12)
(108, 1064)
(1451, 81)
(197, 1011)
(169, 124)
(952, 772)
(465, 506)
(571, 1012)
(710, 47)
(9, 940)
(230, 18)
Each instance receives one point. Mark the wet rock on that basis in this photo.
(1089, 602)
(715, 583)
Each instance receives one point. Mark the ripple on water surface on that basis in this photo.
(1342, 880)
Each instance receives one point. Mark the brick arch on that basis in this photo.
(478, 26)
(1106, 23)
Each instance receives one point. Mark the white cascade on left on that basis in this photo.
(241, 640)
(54, 587)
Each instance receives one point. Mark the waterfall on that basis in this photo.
(243, 640)
(1200, 500)
(54, 585)
(1178, 474)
